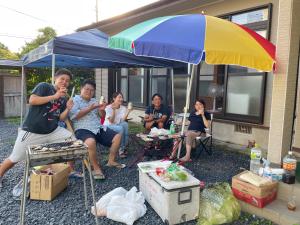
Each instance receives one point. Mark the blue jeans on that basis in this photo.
(121, 128)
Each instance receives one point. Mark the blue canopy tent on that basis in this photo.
(88, 49)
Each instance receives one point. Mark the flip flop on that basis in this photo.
(98, 176)
(117, 165)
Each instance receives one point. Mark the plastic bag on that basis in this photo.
(175, 173)
(218, 205)
(121, 205)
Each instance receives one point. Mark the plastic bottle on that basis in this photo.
(289, 165)
(267, 172)
(255, 159)
(172, 128)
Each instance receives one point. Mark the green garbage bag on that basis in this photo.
(218, 205)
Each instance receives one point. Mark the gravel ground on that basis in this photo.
(68, 207)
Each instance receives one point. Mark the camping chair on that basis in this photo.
(205, 140)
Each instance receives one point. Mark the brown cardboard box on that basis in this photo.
(47, 187)
(257, 196)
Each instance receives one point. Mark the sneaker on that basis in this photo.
(18, 189)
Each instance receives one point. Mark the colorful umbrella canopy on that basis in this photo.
(196, 37)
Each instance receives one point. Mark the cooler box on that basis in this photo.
(175, 201)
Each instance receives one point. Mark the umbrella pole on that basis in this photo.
(53, 68)
(22, 95)
(187, 103)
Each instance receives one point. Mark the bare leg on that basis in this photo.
(91, 143)
(187, 156)
(114, 149)
(160, 125)
(148, 125)
(5, 166)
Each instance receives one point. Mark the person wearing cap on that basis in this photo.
(47, 106)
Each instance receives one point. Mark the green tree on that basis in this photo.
(37, 75)
(5, 53)
(45, 34)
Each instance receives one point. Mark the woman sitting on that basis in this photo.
(199, 121)
(115, 119)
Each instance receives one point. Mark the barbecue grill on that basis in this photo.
(37, 155)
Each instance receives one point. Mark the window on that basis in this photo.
(136, 82)
(244, 95)
(237, 93)
(211, 86)
(158, 83)
(132, 83)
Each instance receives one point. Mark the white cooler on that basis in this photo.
(175, 201)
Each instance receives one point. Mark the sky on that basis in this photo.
(20, 19)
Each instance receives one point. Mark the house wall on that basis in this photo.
(101, 79)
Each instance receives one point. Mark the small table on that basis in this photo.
(38, 155)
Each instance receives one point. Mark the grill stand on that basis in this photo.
(47, 159)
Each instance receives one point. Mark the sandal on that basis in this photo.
(98, 175)
(116, 165)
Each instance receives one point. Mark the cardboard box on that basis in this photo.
(256, 196)
(47, 187)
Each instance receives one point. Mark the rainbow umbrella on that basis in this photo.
(195, 37)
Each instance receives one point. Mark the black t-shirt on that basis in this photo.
(197, 121)
(43, 119)
(157, 113)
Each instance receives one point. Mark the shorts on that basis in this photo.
(26, 138)
(104, 137)
(191, 136)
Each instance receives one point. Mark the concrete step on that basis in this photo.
(277, 211)
(287, 190)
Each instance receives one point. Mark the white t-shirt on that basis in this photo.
(119, 115)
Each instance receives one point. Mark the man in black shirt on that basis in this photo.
(48, 105)
(156, 115)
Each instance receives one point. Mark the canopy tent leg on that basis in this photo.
(172, 82)
(187, 103)
(53, 68)
(22, 95)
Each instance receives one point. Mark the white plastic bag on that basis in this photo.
(125, 207)
(105, 199)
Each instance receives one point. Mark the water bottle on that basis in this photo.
(289, 165)
(255, 159)
(172, 128)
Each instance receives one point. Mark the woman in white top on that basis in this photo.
(115, 119)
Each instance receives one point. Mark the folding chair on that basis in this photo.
(205, 140)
